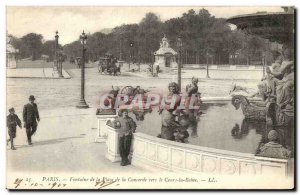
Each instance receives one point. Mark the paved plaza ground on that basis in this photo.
(40, 73)
(64, 142)
(65, 137)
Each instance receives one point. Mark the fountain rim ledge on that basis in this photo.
(204, 149)
(227, 98)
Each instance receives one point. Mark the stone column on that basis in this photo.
(102, 127)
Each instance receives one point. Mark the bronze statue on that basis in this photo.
(277, 93)
(110, 100)
(169, 123)
(252, 111)
(175, 121)
(192, 88)
(273, 149)
(281, 81)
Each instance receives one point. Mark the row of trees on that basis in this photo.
(201, 33)
(33, 46)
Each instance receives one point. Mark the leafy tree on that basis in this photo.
(200, 32)
(148, 34)
(31, 45)
(48, 49)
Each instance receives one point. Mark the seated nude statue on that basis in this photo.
(281, 81)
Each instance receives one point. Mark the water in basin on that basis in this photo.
(221, 126)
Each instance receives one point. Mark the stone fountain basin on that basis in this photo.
(155, 154)
(226, 156)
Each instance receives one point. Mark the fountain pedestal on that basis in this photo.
(112, 142)
(102, 127)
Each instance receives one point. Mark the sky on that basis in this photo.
(71, 21)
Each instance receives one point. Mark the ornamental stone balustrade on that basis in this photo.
(154, 153)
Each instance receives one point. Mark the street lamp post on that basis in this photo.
(82, 103)
(179, 46)
(207, 74)
(131, 54)
(121, 47)
(55, 67)
(264, 64)
(152, 62)
(60, 61)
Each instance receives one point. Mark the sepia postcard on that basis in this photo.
(164, 98)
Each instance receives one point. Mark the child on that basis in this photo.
(12, 121)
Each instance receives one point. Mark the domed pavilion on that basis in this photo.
(165, 57)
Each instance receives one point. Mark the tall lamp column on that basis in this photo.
(82, 103)
(179, 46)
(207, 74)
(55, 67)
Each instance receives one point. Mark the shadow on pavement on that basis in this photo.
(48, 142)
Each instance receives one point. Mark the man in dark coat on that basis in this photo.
(12, 121)
(30, 118)
(126, 128)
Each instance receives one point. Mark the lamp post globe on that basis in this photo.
(82, 103)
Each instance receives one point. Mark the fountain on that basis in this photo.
(276, 27)
(225, 144)
(278, 92)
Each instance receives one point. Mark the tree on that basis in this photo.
(96, 45)
(148, 35)
(48, 49)
(73, 50)
(200, 32)
(126, 33)
(15, 42)
(32, 45)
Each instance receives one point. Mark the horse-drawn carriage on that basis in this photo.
(108, 65)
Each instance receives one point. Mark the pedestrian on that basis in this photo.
(157, 70)
(30, 118)
(12, 121)
(126, 129)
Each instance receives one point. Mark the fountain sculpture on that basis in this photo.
(277, 88)
(176, 120)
